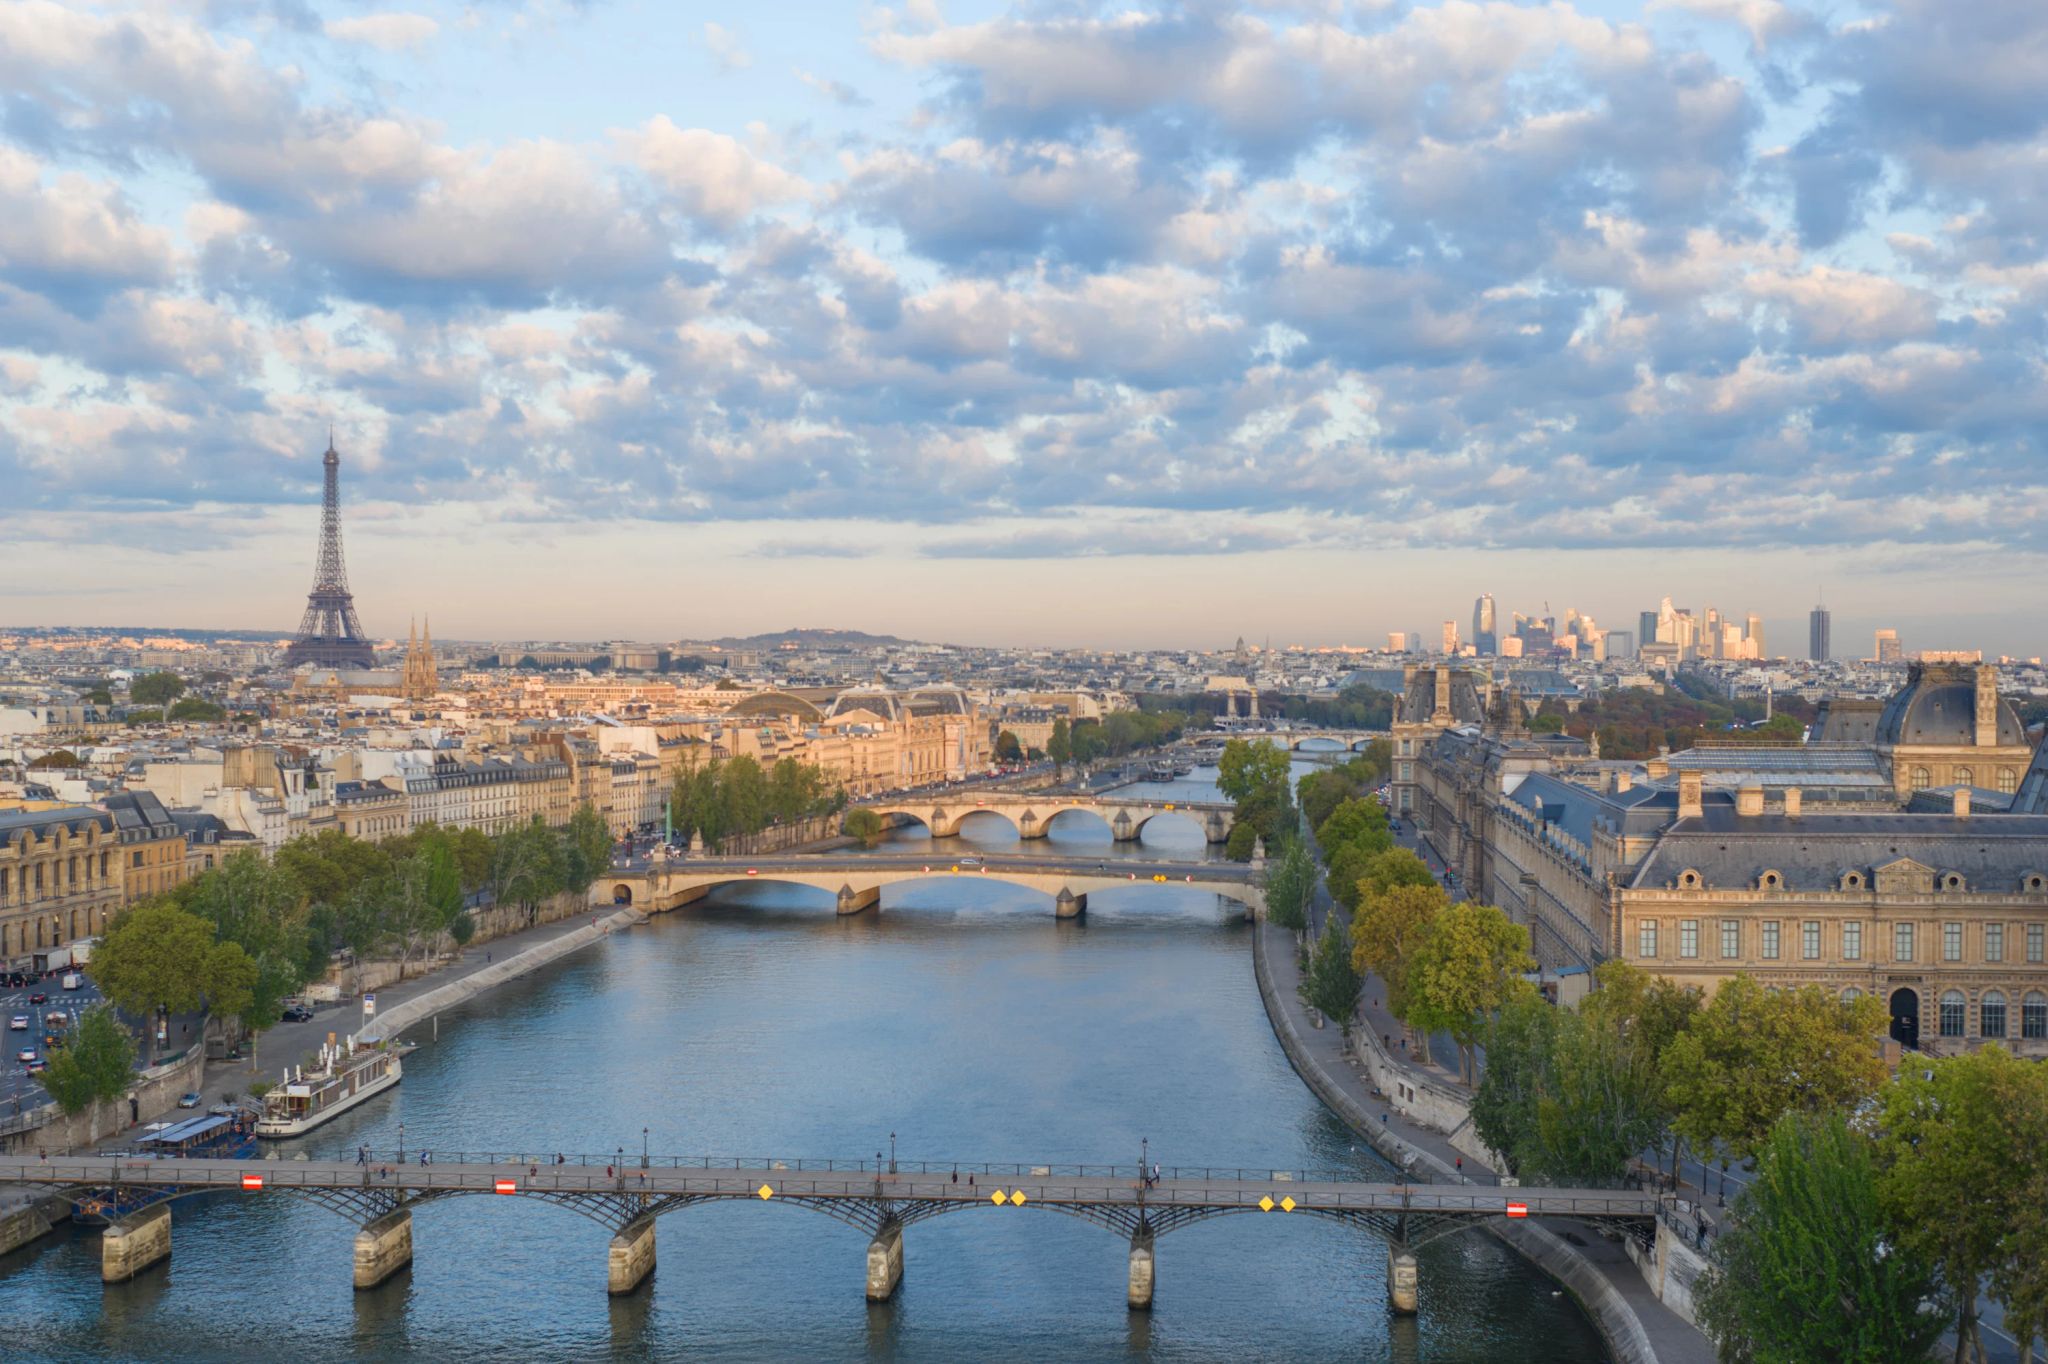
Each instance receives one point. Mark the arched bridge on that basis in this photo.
(1032, 812)
(856, 879)
(880, 1198)
(1355, 740)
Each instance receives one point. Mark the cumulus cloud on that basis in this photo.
(711, 176)
(725, 46)
(390, 31)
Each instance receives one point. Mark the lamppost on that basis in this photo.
(892, 1153)
(643, 1148)
(1724, 1182)
(401, 1143)
(621, 1167)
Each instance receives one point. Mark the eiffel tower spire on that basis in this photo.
(330, 636)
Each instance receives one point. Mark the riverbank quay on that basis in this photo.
(1419, 1117)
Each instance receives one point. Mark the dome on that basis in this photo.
(1938, 708)
(875, 700)
(767, 705)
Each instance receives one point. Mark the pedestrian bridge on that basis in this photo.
(857, 879)
(1033, 812)
(378, 1190)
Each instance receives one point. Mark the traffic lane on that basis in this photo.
(20, 1090)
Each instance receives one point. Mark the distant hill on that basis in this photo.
(156, 632)
(811, 639)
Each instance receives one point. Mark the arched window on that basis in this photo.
(1964, 777)
(1851, 995)
(2034, 1015)
(1991, 1015)
(1954, 1010)
(2008, 780)
(1922, 779)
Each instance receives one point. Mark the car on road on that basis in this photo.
(74, 981)
(25, 1054)
(39, 999)
(37, 1067)
(970, 861)
(189, 1100)
(298, 1013)
(18, 1023)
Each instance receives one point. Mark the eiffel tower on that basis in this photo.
(330, 636)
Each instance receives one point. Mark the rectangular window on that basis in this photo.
(1809, 940)
(1994, 942)
(1688, 937)
(2035, 934)
(1731, 937)
(135, 859)
(1770, 940)
(1852, 942)
(1902, 942)
(1951, 942)
(1646, 938)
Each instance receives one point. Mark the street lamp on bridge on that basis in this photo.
(892, 1153)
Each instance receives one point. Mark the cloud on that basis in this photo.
(839, 92)
(724, 45)
(391, 31)
(710, 176)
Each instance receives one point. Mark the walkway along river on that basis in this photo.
(961, 1018)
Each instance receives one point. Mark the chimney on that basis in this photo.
(1792, 801)
(1657, 767)
(1689, 795)
(1749, 800)
(1962, 805)
(1987, 706)
(1623, 781)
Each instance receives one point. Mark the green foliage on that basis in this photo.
(1748, 1058)
(1355, 707)
(99, 696)
(462, 929)
(1060, 746)
(98, 1062)
(154, 956)
(156, 689)
(1359, 823)
(1331, 985)
(1548, 722)
(1387, 928)
(56, 758)
(720, 801)
(1962, 1171)
(1250, 768)
(1243, 841)
(586, 846)
(1810, 1269)
(261, 907)
(328, 863)
(1521, 1039)
(1008, 750)
(197, 708)
(1290, 885)
(865, 825)
(1469, 960)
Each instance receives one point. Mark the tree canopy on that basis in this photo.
(96, 1063)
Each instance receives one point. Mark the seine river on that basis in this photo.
(963, 1018)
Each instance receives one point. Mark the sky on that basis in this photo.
(1052, 323)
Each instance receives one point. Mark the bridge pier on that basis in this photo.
(134, 1243)
(885, 1261)
(1030, 826)
(1139, 1295)
(1123, 829)
(383, 1247)
(853, 901)
(630, 1260)
(1218, 828)
(1402, 1280)
(1069, 905)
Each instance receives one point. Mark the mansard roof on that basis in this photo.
(1992, 853)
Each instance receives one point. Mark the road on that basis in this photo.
(21, 1091)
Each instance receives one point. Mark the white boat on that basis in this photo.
(345, 1076)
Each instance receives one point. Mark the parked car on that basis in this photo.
(188, 1100)
(18, 1023)
(298, 1013)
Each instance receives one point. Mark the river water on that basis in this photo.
(963, 1018)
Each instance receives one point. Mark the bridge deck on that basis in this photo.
(1037, 1184)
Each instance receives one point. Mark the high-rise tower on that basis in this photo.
(1817, 634)
(330, 636)
(1484, 636)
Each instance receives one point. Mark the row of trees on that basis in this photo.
(1253, 775)
(239, 940)
(1118, 733)
(737, 796)
(1868, 1232)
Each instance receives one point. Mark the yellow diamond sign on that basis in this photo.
(1287, 1204)
(998, 1198)
(1266, 1203)
(765, 1192)
(1017, 1197)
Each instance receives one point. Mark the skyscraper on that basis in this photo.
(1484, 637)
(1753, 631)
(1817, 634)
(1646, 627)
(1888, 648)
(1451, 637)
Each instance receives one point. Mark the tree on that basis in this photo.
(1748, 1058)
(1321, 792)
(197, 708)
(1248, 768)
(329, 864)
(744, 788)
(156, 689)
(1809, 1269)
(1960, 1159)
(1060, 746)
(98, 1063)
(1290, 885)
(261, 907)
(153, 957)
(1331, 985)
(526, 866)
(1243, 841)
(1468, 960)
(864, 824)
(1506, 1107)
(587, 848)
(1357, 821)
(1385, 931)
(1391, 868)
(1008, 750)
(1601, 1104)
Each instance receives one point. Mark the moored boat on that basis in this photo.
(345, 1076)
(214, 1136)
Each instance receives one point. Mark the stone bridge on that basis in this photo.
(856, 879)
(1355, 740)
(879, 1198)
(1033, 812)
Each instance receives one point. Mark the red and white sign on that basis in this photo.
(1518, 1209)
(252, 1181)
(505, 1186)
